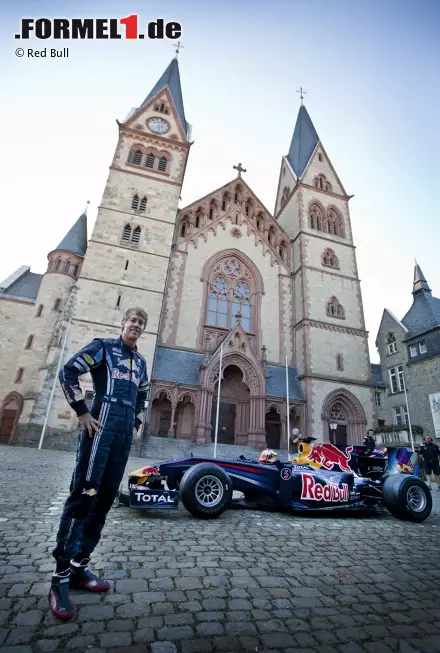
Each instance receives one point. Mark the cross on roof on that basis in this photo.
(178, 48)
(240, 169)
(302, 92)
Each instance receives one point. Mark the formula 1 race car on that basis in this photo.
(322, 477)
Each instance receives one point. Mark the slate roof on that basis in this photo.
(75, 240)
(171, 78)
(424, 314)
(26, 286)
(177, 366)
(276, 383)
(376, 374)
(304, 141)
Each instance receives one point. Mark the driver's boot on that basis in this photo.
(82, 578)
(59, 598)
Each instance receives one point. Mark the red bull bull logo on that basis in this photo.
(327, 456)
(150, 471)
(312, 490)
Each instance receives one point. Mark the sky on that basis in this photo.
(370, 72)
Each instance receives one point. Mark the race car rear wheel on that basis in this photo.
(407, 497)
(206, 490)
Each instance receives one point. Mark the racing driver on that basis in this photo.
(120, 380)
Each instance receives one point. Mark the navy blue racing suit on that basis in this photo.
(120, 382)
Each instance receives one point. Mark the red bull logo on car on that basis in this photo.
(312, 490)
(323, 455)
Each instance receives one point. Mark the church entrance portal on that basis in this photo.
(234, 407)
(342, 408)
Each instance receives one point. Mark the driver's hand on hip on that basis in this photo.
(89, 424)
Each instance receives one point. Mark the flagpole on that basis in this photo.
(49, 405)
(409, 416)
(288, 415)
(218, 401)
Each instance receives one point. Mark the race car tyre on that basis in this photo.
(206, 490)
(407, 497)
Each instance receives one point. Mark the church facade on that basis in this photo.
(264, 301)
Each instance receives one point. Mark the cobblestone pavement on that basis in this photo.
(249, 581)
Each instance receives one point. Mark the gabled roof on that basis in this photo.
(424, 314)
(75, 240)
(304, 141)
(22, 284)
(398, 322)
(170, 78)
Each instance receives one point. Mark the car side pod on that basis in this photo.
(407, 497)
(206, 490)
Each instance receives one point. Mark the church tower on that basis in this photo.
(331, 343)
(129, 250)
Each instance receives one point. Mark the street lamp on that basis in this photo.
(333, 427)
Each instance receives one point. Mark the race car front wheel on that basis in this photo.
(206, 490)
(407, 497)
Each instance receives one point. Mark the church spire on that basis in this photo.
(419, 282)
(304, 141)
(171, 79)
(75, 240)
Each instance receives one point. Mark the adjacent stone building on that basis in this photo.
(220, 278)
(409, 351)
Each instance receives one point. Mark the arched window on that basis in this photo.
(336, 224)
(57, 265)
(329, 258)
(340, 363)
(315, 217)
(335, 309)
(260, 222)
(136, 236)
(163, 163)
(136, 157)
(39, 310)
(183, 229)
(56, 306)
(149, 161)
(67, 267)
(143, 204)
(199, 216)
(271, 236)
(320, 181)
(230, 293)
(226, 201)
(126, 235)
(75, 270)
(282, 250)
(238, 194)
(197, 223)
(248, 207)
(135, 202)
(285, 195)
